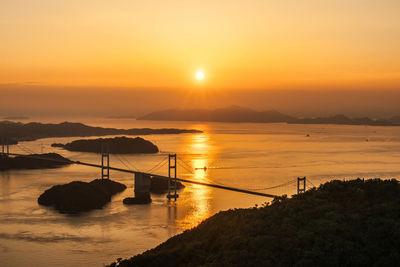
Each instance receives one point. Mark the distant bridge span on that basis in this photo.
(153, 175)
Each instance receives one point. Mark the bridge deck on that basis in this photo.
(155, 175)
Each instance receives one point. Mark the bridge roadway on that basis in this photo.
(153, 175)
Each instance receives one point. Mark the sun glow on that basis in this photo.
(200, 75)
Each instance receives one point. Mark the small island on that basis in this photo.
(116, 145)
(33, 161)
(342, 223)
(77, 196)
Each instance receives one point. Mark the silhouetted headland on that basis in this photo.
(116, 145)
(32, 131)
(240, 114)
(342, 223)
(33, 161)
(79, 196)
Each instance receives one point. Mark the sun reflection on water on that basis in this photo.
(200, 153)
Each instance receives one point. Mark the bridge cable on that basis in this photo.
(184, 162)
(276, 186)
(26, 150)
(309, 181)
(129, 163)
(158, 167)
(164, 177)
(117, 157)
(159, 164)
(186, 168)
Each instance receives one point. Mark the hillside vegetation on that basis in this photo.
(352, 223)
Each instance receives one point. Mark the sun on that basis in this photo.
(200, 75)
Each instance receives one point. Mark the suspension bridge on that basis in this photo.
(142, 179)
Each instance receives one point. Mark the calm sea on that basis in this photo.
(244, 155)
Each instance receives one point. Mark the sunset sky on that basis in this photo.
(255, 44)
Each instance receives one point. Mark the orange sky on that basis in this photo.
(239, 44)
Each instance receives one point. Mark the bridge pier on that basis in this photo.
(142, 186)
(142, 190)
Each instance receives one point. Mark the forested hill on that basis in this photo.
(31, 131)
(352, 223)
(240, 114)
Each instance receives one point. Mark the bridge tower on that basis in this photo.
(5, 147)
(105, 161)
(172, 179)
(301, 185)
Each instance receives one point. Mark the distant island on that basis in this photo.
(240, 114)
(33, 161)
(116, 145)
(17, 131)
(16, 118)
(351, 223)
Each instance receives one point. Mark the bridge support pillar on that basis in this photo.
(301, 185)
(105, 161)
(142, 190)
(142, 186)
(172, 179)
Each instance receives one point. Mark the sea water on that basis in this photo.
(250, 156)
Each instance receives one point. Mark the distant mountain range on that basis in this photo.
(240, 114)
(231, 114)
